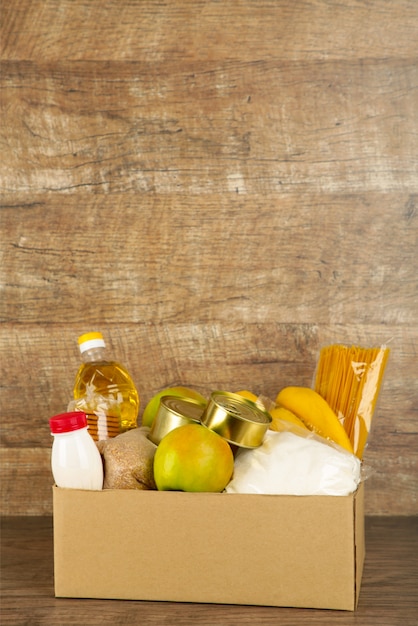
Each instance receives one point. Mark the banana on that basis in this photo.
(315, 413)
(280, 414)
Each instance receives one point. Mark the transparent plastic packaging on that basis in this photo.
(295, 461)
(104, 390)
(349, 378)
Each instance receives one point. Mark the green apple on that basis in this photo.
(151, 409)
(193, 458)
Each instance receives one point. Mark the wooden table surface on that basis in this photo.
(389, 594)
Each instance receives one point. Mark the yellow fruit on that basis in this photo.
(193, 458)
(315, 413)
(247, 394)
(262, 402)
(151, 409)
(280, 414)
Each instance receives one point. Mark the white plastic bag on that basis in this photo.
(287, 463)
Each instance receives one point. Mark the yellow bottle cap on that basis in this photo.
(91, 340)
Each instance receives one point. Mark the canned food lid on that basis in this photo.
(183, 407)
(242, 407)
(236, 419)
(174, 411)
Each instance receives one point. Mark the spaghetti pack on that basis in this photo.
(349, 378)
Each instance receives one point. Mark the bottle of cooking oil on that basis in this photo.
(104, 390)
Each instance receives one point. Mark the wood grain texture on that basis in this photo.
(208, 30)
(388, 594)
(262, 126)
(221, 188)
(288, 258)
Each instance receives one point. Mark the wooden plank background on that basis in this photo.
(221, 188)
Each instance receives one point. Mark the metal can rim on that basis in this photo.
(169, 417)
(237, 428)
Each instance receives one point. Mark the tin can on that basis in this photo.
(173, 412)
(238, 420)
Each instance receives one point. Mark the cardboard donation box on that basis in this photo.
(295, 551)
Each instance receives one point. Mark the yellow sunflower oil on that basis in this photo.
(104, 390)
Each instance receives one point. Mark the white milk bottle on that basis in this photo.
(75, 460)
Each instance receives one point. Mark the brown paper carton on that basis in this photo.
(299, 551)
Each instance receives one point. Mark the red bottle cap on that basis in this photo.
(67, 422)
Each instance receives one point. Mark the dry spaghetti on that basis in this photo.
(349, 379)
